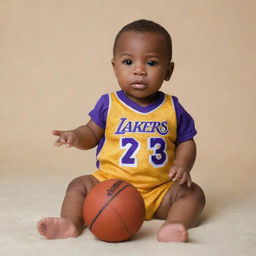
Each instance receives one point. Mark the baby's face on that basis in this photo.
(141, 64)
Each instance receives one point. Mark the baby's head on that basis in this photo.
(143, 26)
(142, 56)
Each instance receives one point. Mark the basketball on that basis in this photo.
(114, 210)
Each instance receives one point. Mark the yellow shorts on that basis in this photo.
(152, 197)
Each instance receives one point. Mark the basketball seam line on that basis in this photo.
(102, 209)
(123, 222)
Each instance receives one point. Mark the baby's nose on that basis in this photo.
(139, 69)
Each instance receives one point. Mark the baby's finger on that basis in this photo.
(57, 143)
(177, 176)
(172, 173)
(184, 178)
(57, 133)
(63, 140)
(60, 142)
(70, 139)
(189, 182)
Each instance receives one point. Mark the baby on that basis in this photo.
(143, 136)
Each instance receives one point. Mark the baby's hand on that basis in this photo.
(65, 137)
(179, 172)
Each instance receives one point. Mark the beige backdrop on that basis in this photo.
(55, 63)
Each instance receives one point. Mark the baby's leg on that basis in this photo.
(181, 209)
(71, 223)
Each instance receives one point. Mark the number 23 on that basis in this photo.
(157, 159)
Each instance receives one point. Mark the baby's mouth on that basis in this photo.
(139, 86)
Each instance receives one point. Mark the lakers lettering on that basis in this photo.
(126, 126)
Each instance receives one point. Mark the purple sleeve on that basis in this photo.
(185, 123)
(100, 111)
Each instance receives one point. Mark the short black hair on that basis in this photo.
(142, 26)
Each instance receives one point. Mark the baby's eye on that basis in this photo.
(152, 63)
(127, 62)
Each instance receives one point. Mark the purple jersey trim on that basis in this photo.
(160, 96)
(185, 124)
(99, 116)
(100, 111)
(100, 145)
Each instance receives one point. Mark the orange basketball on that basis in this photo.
(114, 210)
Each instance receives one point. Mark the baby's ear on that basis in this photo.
(113, 65)
(169, 71)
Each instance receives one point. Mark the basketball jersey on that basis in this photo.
(139, 144)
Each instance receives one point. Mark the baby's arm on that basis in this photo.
(184, 161)
(84, 137)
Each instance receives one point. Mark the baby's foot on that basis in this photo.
(172, 233)
(53, 228)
